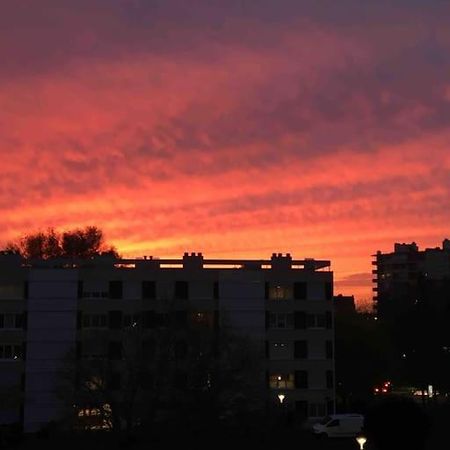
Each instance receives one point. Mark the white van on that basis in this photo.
(339, 425)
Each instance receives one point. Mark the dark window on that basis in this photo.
(25, 290)
(267, 349)
(180, 319)
(181, 290)
(329, 320)
(301, 408)
(329, 349)
(148, 290)
(115, 320)
(330, 407)
(299, 320)
(330, 382)
(78, 350)
(114, 381)
(180, 379)
(311, 320)
(216, 290)
(216, 320)
(267, 319)
(301, 379)
(321, 320)
(148, 348)
(266, 290)
(80, 289)
(333, 423)
(180, 349)
(115, 289)
(162, 320)
(329, 291)
(149, 319)
(115, 350)
(25, 320)
(79, 319)
(300, 290)
(24, 350)
(301, 349)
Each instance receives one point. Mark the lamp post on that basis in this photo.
(281, 397)
(361, 440)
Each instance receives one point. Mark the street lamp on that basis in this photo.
(281, 397)
(361, 440)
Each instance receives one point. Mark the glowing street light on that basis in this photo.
(281, 397)
(361, 440)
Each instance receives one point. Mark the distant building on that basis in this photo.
(344, 305)
(48, 308)
(408, 276)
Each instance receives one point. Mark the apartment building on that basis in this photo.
(408, 276)
(50, 308)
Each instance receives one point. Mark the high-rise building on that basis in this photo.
(409, 276)
(49, 308)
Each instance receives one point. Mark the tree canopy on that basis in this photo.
(77, 243)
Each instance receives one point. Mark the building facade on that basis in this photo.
(51, 308)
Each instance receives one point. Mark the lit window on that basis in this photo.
(281, 381)
(280, 292)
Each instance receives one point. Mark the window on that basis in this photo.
(180, 319)
(148, 348)
(279, 292)
(328, 320)
(316, 320)
(148, 290)
(329, 377)
(280, 320)
(329, 349)
(301, 349)
(301, 407)
(115, 350)
(182, 290)
(149, 319)
(114, 381)
(180, 349)
(328, 291)
(300, 290)
(300, 320)
(130, 320)
(279, 350)
(216, 290)
(281, 381)
(115, 289)
(301, 379)
(205, 319)
(11, 320)
(115, 320)
(10, 351)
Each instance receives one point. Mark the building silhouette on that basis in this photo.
(49, 308)
(409, 276)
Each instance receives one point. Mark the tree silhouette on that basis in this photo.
(78, 243)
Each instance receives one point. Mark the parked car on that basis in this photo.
(339, 425)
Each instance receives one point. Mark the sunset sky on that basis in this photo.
(233, 127)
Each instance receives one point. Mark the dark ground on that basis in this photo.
(255, 436)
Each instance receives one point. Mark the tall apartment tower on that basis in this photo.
(49, 308)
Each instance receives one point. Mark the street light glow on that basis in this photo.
(361, 440)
